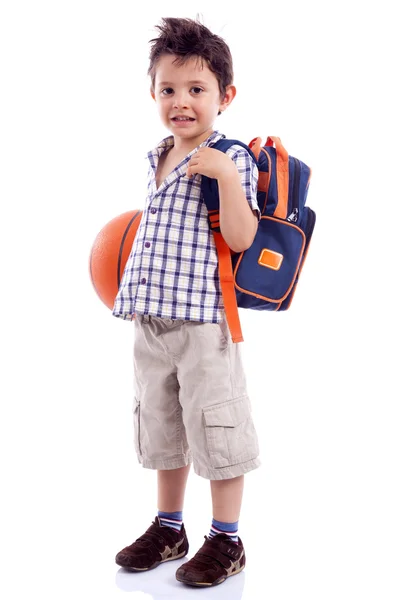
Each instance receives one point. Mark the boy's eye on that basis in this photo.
(167, 91)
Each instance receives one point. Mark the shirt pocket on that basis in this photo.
(230, 433)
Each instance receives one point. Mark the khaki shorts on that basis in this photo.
(191, 402)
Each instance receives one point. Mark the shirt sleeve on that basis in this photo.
(248, 172)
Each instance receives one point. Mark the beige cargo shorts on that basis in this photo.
(191, 403)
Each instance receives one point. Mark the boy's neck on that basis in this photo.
(185, 146)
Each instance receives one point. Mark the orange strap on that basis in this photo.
(255, 146)
(228, 287)
(282, 176)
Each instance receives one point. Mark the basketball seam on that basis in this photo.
(121, 248)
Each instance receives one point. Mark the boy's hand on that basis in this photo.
(211, 163)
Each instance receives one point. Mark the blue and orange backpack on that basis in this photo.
(265, 276)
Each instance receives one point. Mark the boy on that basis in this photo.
(191, 401)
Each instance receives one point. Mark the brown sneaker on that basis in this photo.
(217, 559)
(157, 545)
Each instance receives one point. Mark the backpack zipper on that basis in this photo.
(294, 215)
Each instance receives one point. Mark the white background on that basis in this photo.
(320, 518)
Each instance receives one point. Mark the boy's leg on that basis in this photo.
(161, 444)
(160, 436)
(171, 489)
(227, 497)
(221, 434)
(160, 543)
(222, 554)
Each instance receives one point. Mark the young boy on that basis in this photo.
(191, 400)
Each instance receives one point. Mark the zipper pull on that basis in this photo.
(293, 216)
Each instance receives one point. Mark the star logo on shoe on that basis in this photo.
(234, 565)
(177, 548)
(168, 553)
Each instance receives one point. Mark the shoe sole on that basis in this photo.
(220, 580)
(156, 564)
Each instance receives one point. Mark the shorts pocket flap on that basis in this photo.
(229, 414)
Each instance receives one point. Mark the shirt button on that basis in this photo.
(153, 210)
(143, 280)
(147, 244)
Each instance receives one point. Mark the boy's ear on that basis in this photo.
(152, 93)
(230, 93)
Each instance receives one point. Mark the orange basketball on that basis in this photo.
(109, 254)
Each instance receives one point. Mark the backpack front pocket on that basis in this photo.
(266, 272)
(230, 433)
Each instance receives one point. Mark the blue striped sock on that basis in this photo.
(173, 519)
(230, 529)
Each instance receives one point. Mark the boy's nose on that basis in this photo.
(180, 100)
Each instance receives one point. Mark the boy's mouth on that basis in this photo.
(182, 119)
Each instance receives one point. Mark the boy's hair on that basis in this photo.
(188, 39)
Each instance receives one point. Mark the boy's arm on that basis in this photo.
(237, 221)
(237, 177)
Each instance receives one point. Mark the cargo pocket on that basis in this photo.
(136, 427)
(230, 433)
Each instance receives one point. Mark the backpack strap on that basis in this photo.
(209, 188)
(282, 176)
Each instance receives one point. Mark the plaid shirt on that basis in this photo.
(172, 270)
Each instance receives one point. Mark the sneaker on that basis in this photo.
(157, 545)
(217, 559)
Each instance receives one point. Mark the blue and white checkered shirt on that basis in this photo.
(172, 270)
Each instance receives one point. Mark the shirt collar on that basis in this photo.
(168, 142)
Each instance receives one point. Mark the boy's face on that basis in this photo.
(188, 91)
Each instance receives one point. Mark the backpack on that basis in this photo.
(265, 276)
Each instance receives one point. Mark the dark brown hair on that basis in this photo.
(188, 39)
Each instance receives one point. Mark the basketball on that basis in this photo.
(109, 253)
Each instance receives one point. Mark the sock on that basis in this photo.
(230, 529)
(173, 520)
